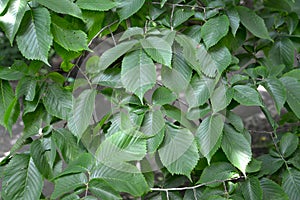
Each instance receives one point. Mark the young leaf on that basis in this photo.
(158, 49)
(138, 73)
(178, 77)
(21, 179)
(282, 52)
(111, 55)
(11, 20)
(128, 7)
(162, 96)
(199, 90)
(217, 171)
(254, 23)
(214, 30)
(288, 144)
(179, 152)
(291, 183)
(82, 112)
(234, 20)
(237, 148)
(208, 134)
(277, 91)
(153, 123)
(68, 183)
(246, 95)
(103, 190)
(58, 101)
(99, 5)
(272, 190)
(119, 175)
(293, 93)
(71, 40)
(251, 189)
(35, 39)
(62, 7)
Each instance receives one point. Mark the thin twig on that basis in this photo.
(196, 186)
(101, 30)
(171, 18)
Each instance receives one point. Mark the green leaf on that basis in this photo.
(272, 190)
(11, 20)
(162, 96)
(293, 93)
(234, 20)
(11, 114)
(214, 30)
(6, 97)
(131, 32)
(138, 73)
(71, 40)
(246, 95)
(35, 39)
(270, 165)
(237, 148)
(81, 114)
(111, 55)
(180, 16)
(179, 152)
(291, 183)
(58, 101)
(178, 77)
(99, 5)
(110, 77)
(40, 151)
(254, 23)
(158, 49)
(295, 160)
(221, 57)
(199, 91)
(288, 144)
(208, 134)
(3, 5)
(153, 123)
(128, 7)
(251, 189)
(119, 175)
(154, 142)
(122, 146)
(235, 120)
(282, 52)
(207, 65)
(10, 73)
(68, 183)
(103, 190)
(27, 87)
(66, 143)
(21, 179)
(277, 91)
(62, 7)
(219, 99)
(217, 171)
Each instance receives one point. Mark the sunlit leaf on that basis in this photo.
(3, 5)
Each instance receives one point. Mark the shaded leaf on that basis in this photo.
(270, 164)
(130, 32)
(293, 93)
(282, 52)
(180, 16)
(99, 5)
(179, 152)
(208, 66)
(291, 183)
(110, 77)
(221, 57)
(217, 171)
(246, 95)
(138, 73)
(237, 148)
(254, 23)
(251, 189)
(11, 20)
(219, 99)
(82, 111)
(129, 7)
(6, 97)
(62, 7)
(234, 20)
(208, 134)
(119, 175)
(58, 101)
(27, 87)
(272, 190)
(288, 144)
(11, 114)
(21, 179)
(103, 190)
(214, 30)
(158, 49)
(162, 96)
(35, 39)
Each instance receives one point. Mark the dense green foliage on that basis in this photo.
(175, 72)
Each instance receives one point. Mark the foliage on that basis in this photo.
(168, 135)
